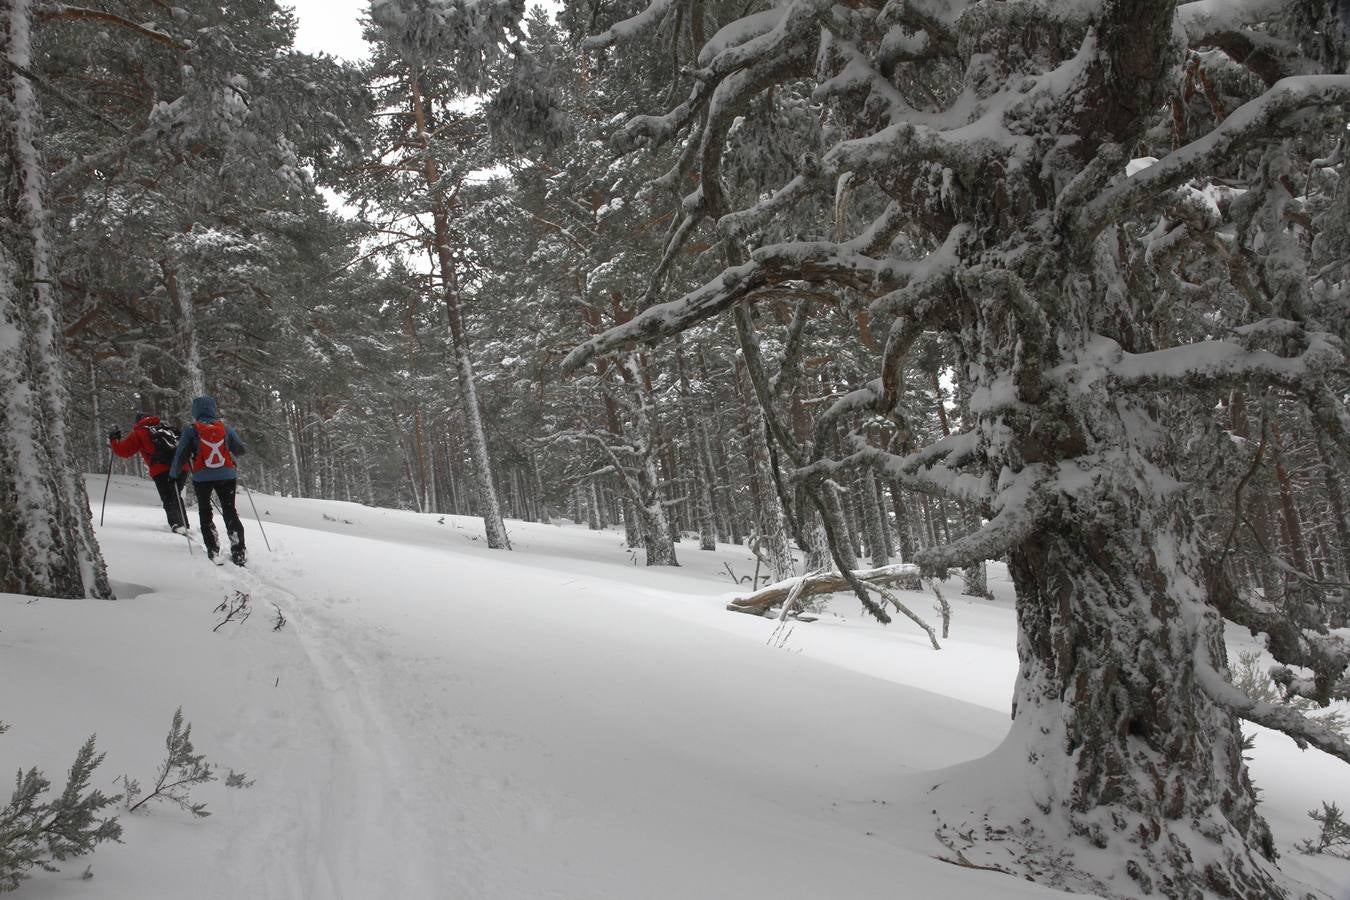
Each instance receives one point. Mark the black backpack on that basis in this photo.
(164, 438)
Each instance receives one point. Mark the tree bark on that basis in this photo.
(651, 515)
(592, 500)
(185, 326)
(903, 519)
(817, 552)
(47, 544)
(632, 534)
(707, 519)
(540, 497)
(700, 485)
(887, 533)
(1292, 527)
(769, 518)
(1340, 522)
(1112, 626)
(1257, 504)
(866, 494)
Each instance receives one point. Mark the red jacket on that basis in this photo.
(138, 441)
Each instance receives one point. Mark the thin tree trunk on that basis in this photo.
(771, 526)
(652, 520)
(491, 510)
(719, 459)
(1340, 523)
(700, 475)
(632, 534)
(866, 494)
(1257, 504)
(817, 551)
(592, 498)
(674, 505)
(944, 520)
(930, 534)
(974, 575)
(433, 485)
(185, 326)
(1292, 528)
(849, 517)
(887, 532)
(539, 489)
(707, 520)
(721, 520)
(420, 455)
(411, 472)
(95, 419)
(903, 522)
(456, 490)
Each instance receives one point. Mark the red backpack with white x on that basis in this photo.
(212, 452)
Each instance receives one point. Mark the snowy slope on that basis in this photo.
(441, 720)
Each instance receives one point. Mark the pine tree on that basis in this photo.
(429, 58)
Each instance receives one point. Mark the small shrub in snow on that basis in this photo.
(236, 609)
(238, 780)
(182, 770)
(35, 833)
(1334, 835)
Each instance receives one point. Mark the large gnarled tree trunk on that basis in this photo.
(1111, 627)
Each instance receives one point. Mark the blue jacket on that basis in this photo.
(204, 410)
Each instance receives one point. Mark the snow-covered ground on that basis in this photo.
(439, 720)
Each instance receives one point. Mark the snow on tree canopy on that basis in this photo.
(470, 35)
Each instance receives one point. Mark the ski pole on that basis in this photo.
(182, 510)
(258, 517)
(104, 507)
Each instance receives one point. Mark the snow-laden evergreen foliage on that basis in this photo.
(37, 831)
(182, 769)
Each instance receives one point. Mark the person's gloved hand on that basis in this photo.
(115, 434)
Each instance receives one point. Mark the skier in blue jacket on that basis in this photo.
(210, 446)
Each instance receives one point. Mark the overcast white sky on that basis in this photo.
(331, 26)
(334, 26)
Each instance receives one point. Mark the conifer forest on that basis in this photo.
(1028, 317)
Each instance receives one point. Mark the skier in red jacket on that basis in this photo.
(156, 443)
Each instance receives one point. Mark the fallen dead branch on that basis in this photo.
(902, 575)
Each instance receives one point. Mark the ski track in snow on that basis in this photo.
(453, 779)
(369, 766)
(368, 813)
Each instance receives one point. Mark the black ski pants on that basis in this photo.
(173, 501)
(224, 491)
